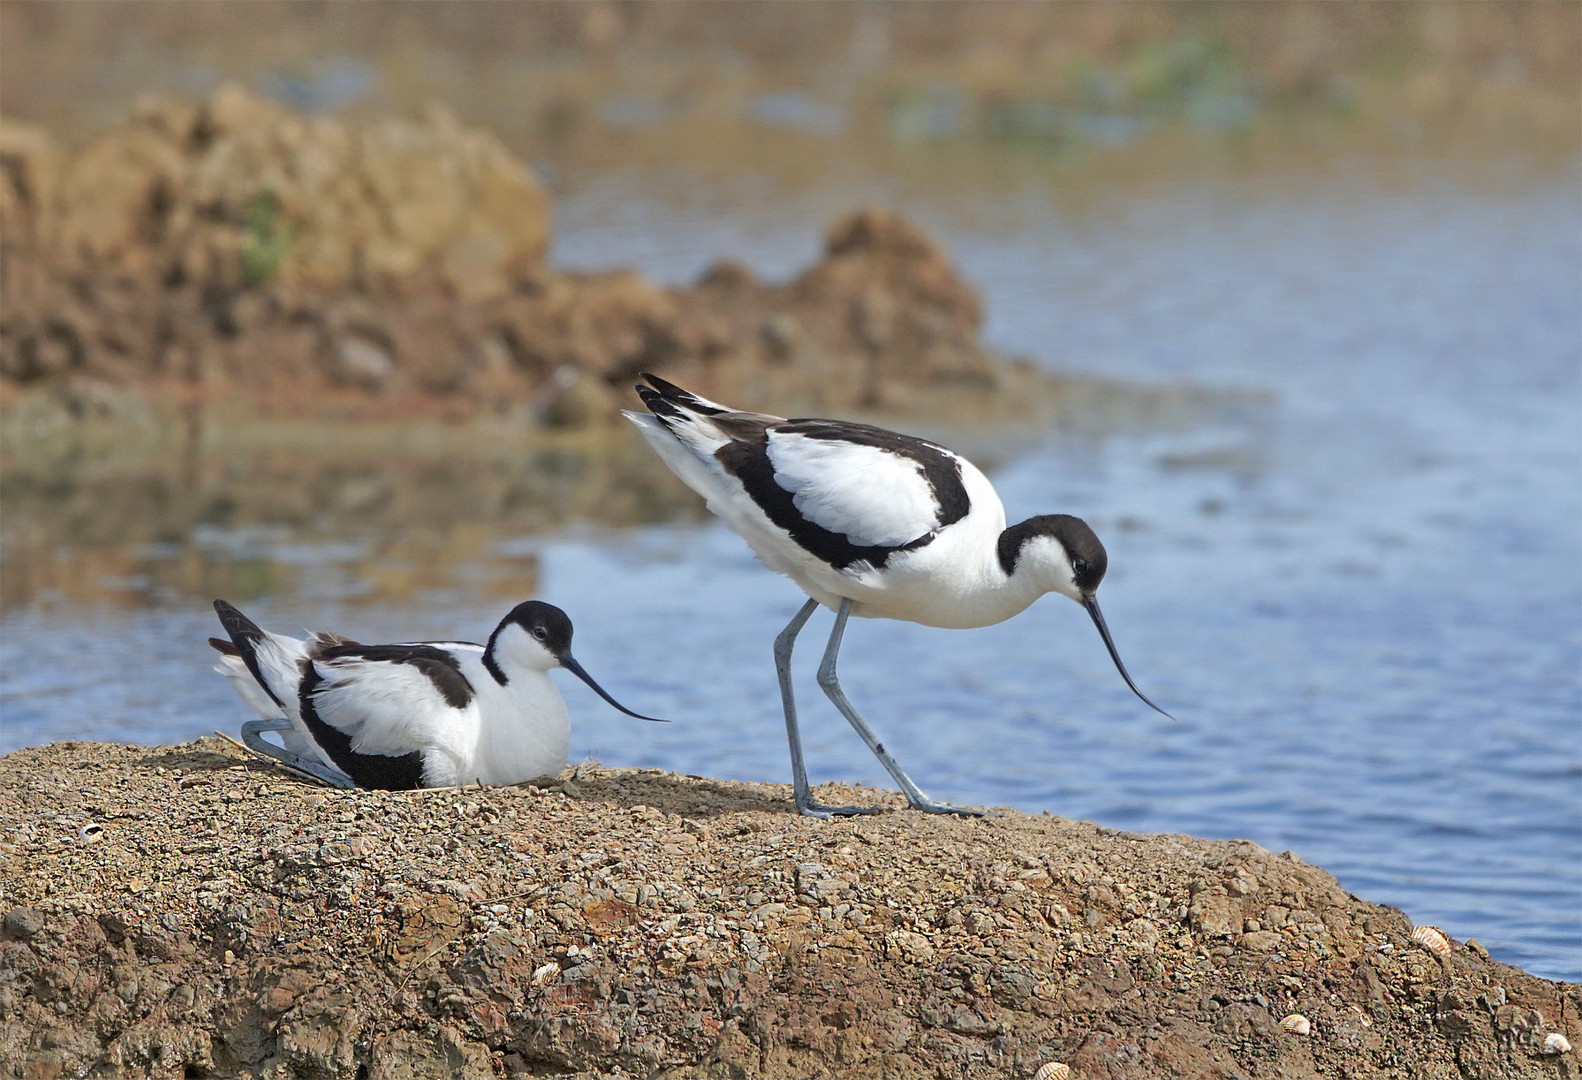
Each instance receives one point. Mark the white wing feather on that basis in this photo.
(869, 495)
(385, 708)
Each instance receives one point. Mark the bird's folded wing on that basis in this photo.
(389, 699)
(872, 495)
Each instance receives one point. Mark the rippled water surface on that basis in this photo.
(1362, 600)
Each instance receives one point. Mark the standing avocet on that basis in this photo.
(869, 522)
(420, 714)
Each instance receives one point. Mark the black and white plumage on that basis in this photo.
(873, 523)
(417, 714)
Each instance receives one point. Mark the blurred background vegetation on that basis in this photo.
(584, 84)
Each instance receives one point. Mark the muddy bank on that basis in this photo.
(187, 911)
(232, 247)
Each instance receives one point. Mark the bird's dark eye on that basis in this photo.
(1079, 566)
(540, 633)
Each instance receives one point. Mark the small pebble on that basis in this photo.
(1556, 1043)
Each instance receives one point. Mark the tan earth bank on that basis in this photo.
(190, 911)
(232, 247)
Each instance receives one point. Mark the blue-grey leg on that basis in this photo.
(804, 800)
(831, 684)
(253, 738)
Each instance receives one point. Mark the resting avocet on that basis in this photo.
(419, 714)
(873, 523)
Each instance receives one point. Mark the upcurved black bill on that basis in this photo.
(1104, 632)
(575, 668)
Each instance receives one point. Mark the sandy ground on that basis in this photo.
(190, 911)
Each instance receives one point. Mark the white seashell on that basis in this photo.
(544, 974)
(1298, 1023)
(1053, 1070)
(1556, 1043)
(90, 832)
(1432, 938)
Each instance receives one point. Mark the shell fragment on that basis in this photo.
(1432, 938)
(1297, 1023)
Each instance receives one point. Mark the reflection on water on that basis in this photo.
(1361, 597)
(401, 520)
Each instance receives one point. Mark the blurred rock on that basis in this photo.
(358, 360)
(233, 242)
(575, 399)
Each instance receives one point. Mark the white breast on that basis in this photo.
(523, 731)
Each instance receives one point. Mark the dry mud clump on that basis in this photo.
(235, 245)
(188, 911)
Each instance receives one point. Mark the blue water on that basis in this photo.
(1363, 601)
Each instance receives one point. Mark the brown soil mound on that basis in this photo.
(187, 911)
(235, 245)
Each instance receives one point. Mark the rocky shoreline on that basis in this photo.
(190, 911)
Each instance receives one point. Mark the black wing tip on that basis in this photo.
(245, 636)
(659, 405)
(239, 626)
(673, 395)
(225, 648)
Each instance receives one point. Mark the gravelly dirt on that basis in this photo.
(189, 911)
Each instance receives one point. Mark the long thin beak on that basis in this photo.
(575, 668)
(1104, 632)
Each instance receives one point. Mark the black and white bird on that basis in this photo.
(873, 523)
(418, 714)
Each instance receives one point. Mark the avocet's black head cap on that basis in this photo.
(1088, 563)
(546, 623)
(551, 628)
(1086, 555)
